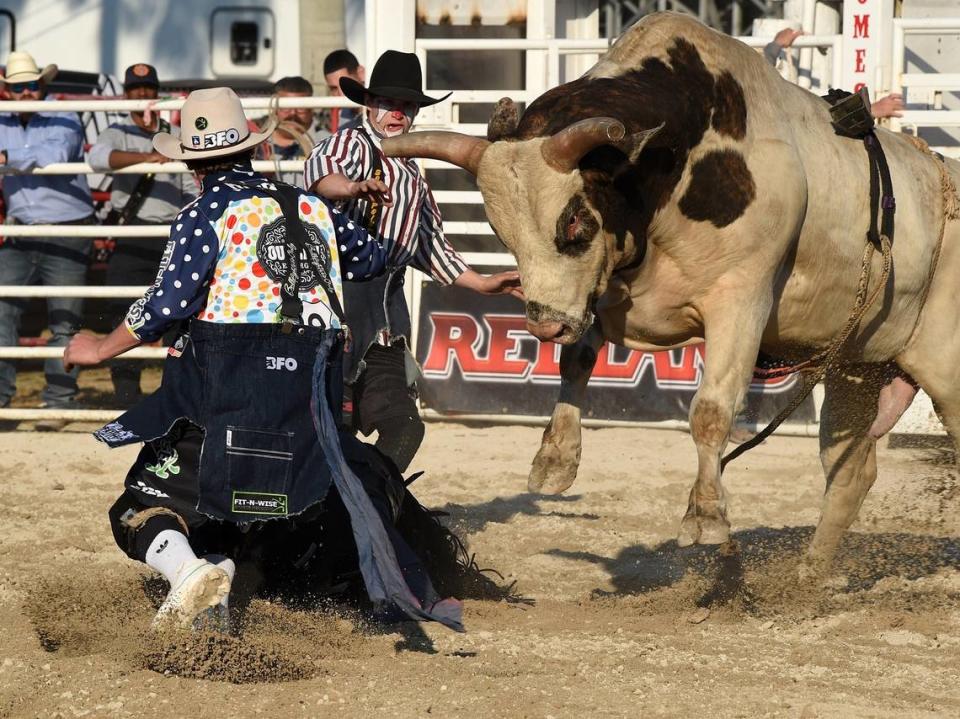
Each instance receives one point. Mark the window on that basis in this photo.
(244, 43)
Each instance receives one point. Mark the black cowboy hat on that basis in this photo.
(396, 75)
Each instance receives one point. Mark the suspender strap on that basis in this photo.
(295, 245)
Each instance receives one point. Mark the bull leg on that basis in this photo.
(848, 454)
(732, 343)
(555, 466)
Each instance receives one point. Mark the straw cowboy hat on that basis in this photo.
(396, 75)
(21, 67)
(212, 124)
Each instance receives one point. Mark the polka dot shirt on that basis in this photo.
(224, 262)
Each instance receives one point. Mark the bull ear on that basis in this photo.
(633, 145)
(504, 120)
(564, 150)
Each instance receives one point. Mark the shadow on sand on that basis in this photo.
(762, 562)
(472, 518)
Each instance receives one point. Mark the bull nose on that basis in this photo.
(545, 331)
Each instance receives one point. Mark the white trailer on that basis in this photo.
(183, 39)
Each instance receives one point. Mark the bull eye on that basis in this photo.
(576, 228)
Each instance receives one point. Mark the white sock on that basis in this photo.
(168, 553)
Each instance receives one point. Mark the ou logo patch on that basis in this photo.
(282, 363)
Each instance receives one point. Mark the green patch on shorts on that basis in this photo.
(166, 465)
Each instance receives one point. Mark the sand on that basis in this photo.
(618, 620)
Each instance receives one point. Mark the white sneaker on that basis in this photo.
(199, 585)
(217, 617)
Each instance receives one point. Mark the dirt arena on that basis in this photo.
(615, 625)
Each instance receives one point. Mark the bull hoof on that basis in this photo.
(703, 530)
(550, 473)
(813, 569)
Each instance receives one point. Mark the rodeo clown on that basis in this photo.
(242, 457)
(392, 200)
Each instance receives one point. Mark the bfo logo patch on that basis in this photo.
(222, 138)
(282, 363)
(201, 123)
(259, 503)
(272, 254)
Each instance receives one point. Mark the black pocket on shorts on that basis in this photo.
(259, 469)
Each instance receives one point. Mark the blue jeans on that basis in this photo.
(43, 261)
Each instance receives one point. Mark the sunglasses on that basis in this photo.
(33, 86)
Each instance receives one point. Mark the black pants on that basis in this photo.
(310, 552)
(383, 401)
(134, 262)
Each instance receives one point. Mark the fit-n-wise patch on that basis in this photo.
(721, 188)
(260, 503)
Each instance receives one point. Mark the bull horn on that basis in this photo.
(453, 147)
(564, 150)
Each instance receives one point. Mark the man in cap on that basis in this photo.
(30, 140)
(255, 266)
(391, 198)
(151, 199)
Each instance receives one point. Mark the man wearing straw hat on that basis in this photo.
(242, 452)
(30, 140)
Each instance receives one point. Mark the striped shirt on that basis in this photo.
(411, 230)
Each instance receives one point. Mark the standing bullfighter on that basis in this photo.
(391, 198)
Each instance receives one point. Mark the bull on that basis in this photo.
(681, 191)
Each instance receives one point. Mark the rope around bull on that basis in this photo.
(860, 307)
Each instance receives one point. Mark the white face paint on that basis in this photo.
(393, 117)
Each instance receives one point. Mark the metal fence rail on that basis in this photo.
(544, 56)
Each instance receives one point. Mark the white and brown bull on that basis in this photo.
(682, 191)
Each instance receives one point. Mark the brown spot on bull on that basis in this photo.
(681, 91)
(708, 423)
(730, 110)
(721, 188)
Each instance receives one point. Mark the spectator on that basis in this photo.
(137, 200)
(401, 212)
(338, 64)
(297, 130)
(889, 106)
(30, 140)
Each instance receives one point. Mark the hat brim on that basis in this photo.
(47, 74)
(356, 92)
(140, 83)
(169, 145)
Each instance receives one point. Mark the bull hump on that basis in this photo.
(721, 188)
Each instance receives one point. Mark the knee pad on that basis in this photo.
(128, 521)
